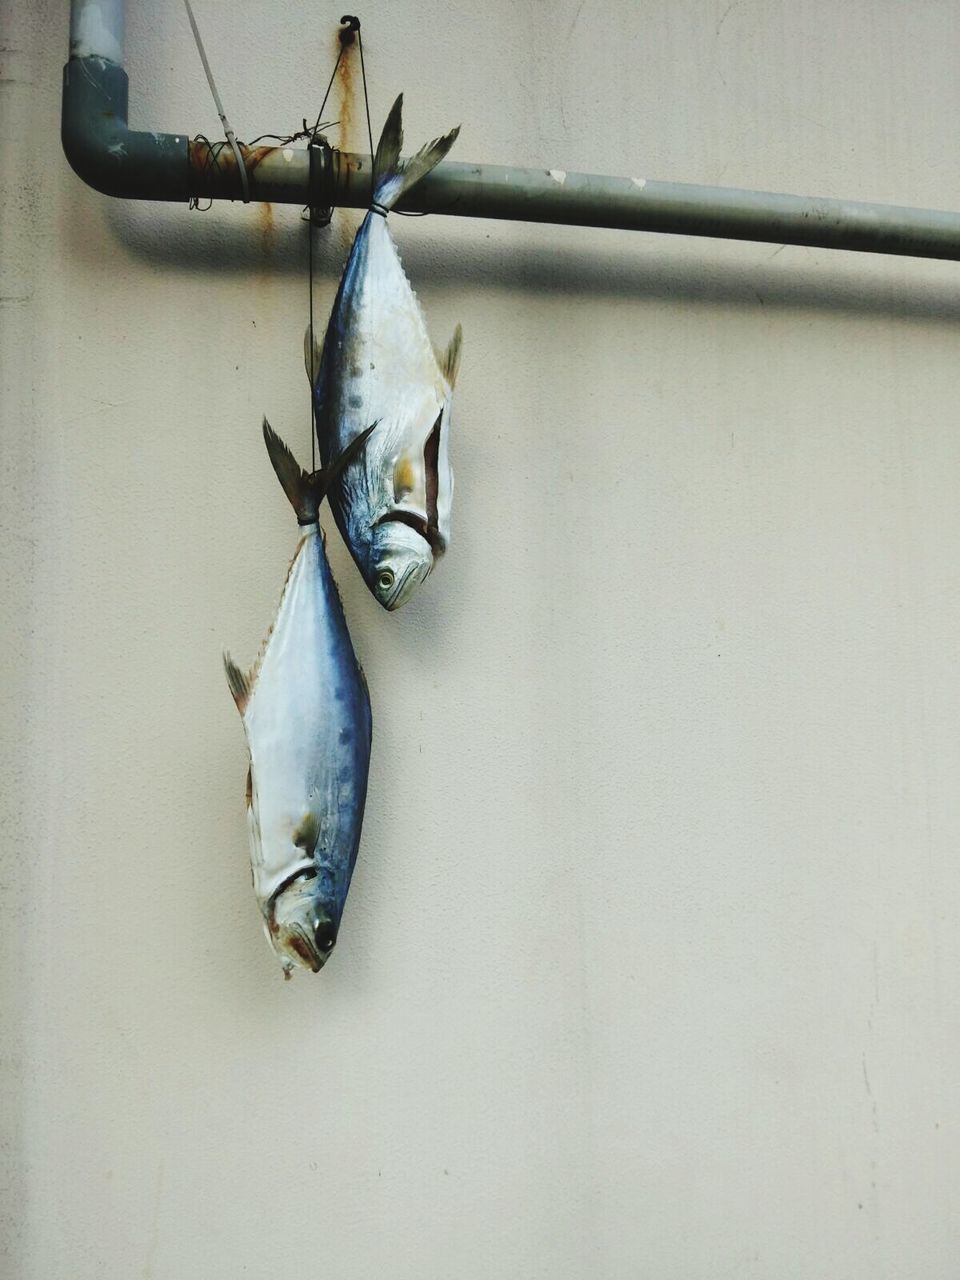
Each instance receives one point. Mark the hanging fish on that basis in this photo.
(392, 502)
(306, 715)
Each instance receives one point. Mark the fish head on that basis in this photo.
(299, 927)
(400, 557)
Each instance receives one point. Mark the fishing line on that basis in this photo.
(312, 143)
(366, 103)
(316, 126)
(312, 371)
(228, 131)
(346, 38)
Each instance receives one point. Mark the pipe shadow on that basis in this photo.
(164, 237)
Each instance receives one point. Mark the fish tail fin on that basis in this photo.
(393, 177)
(311, 355)
(449, 360)
(240, 685)
(304, 490)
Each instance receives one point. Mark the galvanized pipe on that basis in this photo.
(641, 204)
(156, 166)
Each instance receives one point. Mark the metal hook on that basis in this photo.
(351, 26)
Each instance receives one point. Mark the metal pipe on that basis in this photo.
(96, 29)
(104, 151)
(118, 161)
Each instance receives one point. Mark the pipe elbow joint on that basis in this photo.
(103, 151)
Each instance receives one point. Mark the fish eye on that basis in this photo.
(385, 579)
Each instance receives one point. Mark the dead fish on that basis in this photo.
(306, 715)
(392, 503)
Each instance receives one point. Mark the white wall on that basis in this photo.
(650, 964)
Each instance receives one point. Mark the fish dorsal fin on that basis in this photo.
(311, 355)
(449, 360)
(241, 686)
(393, 177)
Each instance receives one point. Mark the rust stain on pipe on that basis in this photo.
(215, 161)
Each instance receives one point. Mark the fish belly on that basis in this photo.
(378, 363)
(308, 731)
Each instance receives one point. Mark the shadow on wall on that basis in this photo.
(169, 236)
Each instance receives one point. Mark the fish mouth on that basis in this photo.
(292, 937)
(298, 941)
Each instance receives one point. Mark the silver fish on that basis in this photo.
(392, 503)
(306, 715)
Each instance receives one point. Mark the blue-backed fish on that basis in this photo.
(392, 502)
(306, 715)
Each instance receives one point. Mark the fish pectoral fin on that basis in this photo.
(325, 478)
(449, 360)
(311, 355)
(241, 686)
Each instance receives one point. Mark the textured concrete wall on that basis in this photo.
(651, 961)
